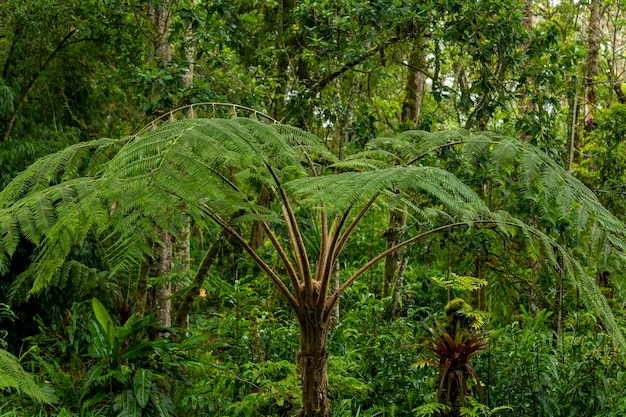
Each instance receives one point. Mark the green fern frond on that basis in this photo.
(349, 188)
(71, 162)
(15, 377)
(430, 409)
(460, 282)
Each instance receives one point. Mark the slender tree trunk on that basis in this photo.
(593, 58)
(478, 297)
(395, 230)
(414, 86)
(257, 236)
(572, 132)
(182, 263)
(141, 300)
(160, 295)
(190, 51)
(160, 17)
(397, 292)
(621, 97)
(526, 106)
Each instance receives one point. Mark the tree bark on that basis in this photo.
(411, 110)
(397, 292)
(182, 263)
(160, 17)
(526, 106)
(160, 295)
(621, 97)
(257, 236)
(414, 86)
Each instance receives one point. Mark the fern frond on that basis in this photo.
(15, 377)
(71, 162)
(430, 409)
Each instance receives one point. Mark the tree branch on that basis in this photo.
(22, 98)
(302, 258)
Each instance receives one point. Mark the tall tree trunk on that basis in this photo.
(181, 262)
(411, 109)
(257, 236)
(397, 292)
(184, 306)
(395, 231)
(617, 87)
(160, 296)
(190, 51)
(572, 132)
(160, 17)
(593, 58)
(414, 86)
(526, 106)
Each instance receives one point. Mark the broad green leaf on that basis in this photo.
(141, 386)
(103, 317)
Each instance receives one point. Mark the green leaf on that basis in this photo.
(103, 317)
(141, 385)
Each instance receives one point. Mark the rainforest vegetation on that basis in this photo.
(312, 208)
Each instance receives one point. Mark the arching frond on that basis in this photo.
(81, 159)
(348, 189)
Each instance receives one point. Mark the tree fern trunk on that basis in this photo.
(311, 360)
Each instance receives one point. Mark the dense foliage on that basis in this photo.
(135, 256)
